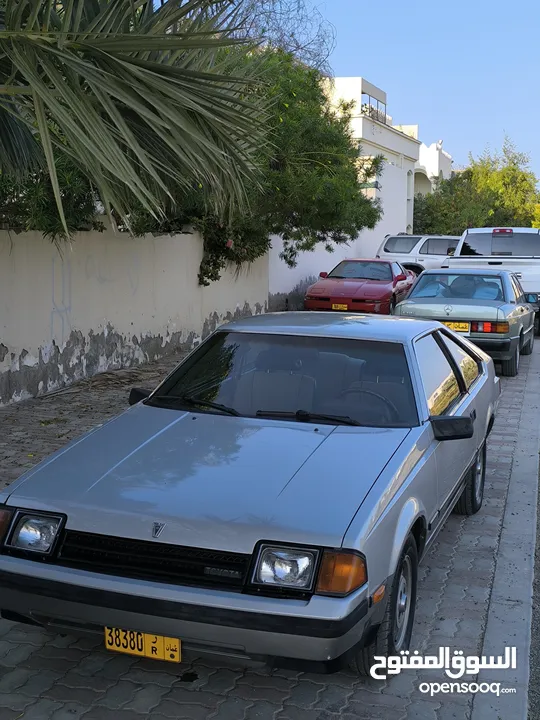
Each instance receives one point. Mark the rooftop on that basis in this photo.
(339, 325)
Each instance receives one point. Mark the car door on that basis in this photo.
(524, 311)
(402, 286)
(446, 394)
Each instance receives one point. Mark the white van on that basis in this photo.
(418, 252)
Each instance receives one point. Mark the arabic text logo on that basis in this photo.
(455, 666)
(157, 529)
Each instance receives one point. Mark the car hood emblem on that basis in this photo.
(157, 529)
(448, 309)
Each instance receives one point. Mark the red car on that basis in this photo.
(366, 286)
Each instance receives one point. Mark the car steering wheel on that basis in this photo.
(361, 391)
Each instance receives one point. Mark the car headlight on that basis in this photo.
(35, 533)
(285, 567)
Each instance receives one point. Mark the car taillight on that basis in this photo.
(490, 327)
(503, 231)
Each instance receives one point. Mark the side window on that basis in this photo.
(440, 382)
(516, 289)
(469, 367)
(438, 246)
(396, 269)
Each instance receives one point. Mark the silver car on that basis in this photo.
(271, 499)
(488, 306)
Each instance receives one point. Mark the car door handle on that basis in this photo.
(473, 415)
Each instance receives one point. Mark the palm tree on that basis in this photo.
(148, 98)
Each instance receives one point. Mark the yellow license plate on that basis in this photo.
(339, 307)
(458, 326)
(155, 647)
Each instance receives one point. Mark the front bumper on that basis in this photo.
(376, 307)
(242, 626)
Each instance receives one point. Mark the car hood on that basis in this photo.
(217, 481)
(351, 288)
(454, 308)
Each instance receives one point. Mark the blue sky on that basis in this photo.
(465, 71)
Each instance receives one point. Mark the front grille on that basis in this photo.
(146, 560)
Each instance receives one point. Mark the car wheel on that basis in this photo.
(527, 350)
(472, 496)
(395, 631)
(510, 367)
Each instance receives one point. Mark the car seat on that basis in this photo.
(278, 382)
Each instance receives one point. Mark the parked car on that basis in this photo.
(366, 286)
(516, 250)
(271, 498)
(417, 252)
(488, 306)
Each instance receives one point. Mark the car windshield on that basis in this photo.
(357, 270)
(358, 382)
(466, 286)
(513, 244)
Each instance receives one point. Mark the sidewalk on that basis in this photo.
(465, 583)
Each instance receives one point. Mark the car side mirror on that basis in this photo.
(323, 275)
(532, 298)
(138, 394)
(401, 278)
(452, 428)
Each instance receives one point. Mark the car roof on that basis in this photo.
(334, 324)
(367, 260)
(533, 231)
(465, 271)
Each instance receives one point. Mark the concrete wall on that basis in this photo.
(111, 301)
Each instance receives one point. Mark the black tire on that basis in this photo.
(472, 496)
(389, 630)
(528, 348)
(510, 367)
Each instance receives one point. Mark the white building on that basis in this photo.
(406, 163)
(434, 164)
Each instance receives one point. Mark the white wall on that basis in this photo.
(434, 161)
(111, 301)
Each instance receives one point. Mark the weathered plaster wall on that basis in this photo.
(110, 301)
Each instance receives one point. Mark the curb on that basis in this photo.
(510, 609)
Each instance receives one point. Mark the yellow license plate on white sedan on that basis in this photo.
(339, 306)
(462, 327)
(155, 647)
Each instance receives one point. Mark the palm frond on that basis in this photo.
(138, 95)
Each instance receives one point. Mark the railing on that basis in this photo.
(375, 113)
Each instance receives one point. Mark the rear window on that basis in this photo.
(469, 287)
(518, 244)
(401, 243)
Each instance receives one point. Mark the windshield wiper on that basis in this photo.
(189, 400)
(305, 416)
